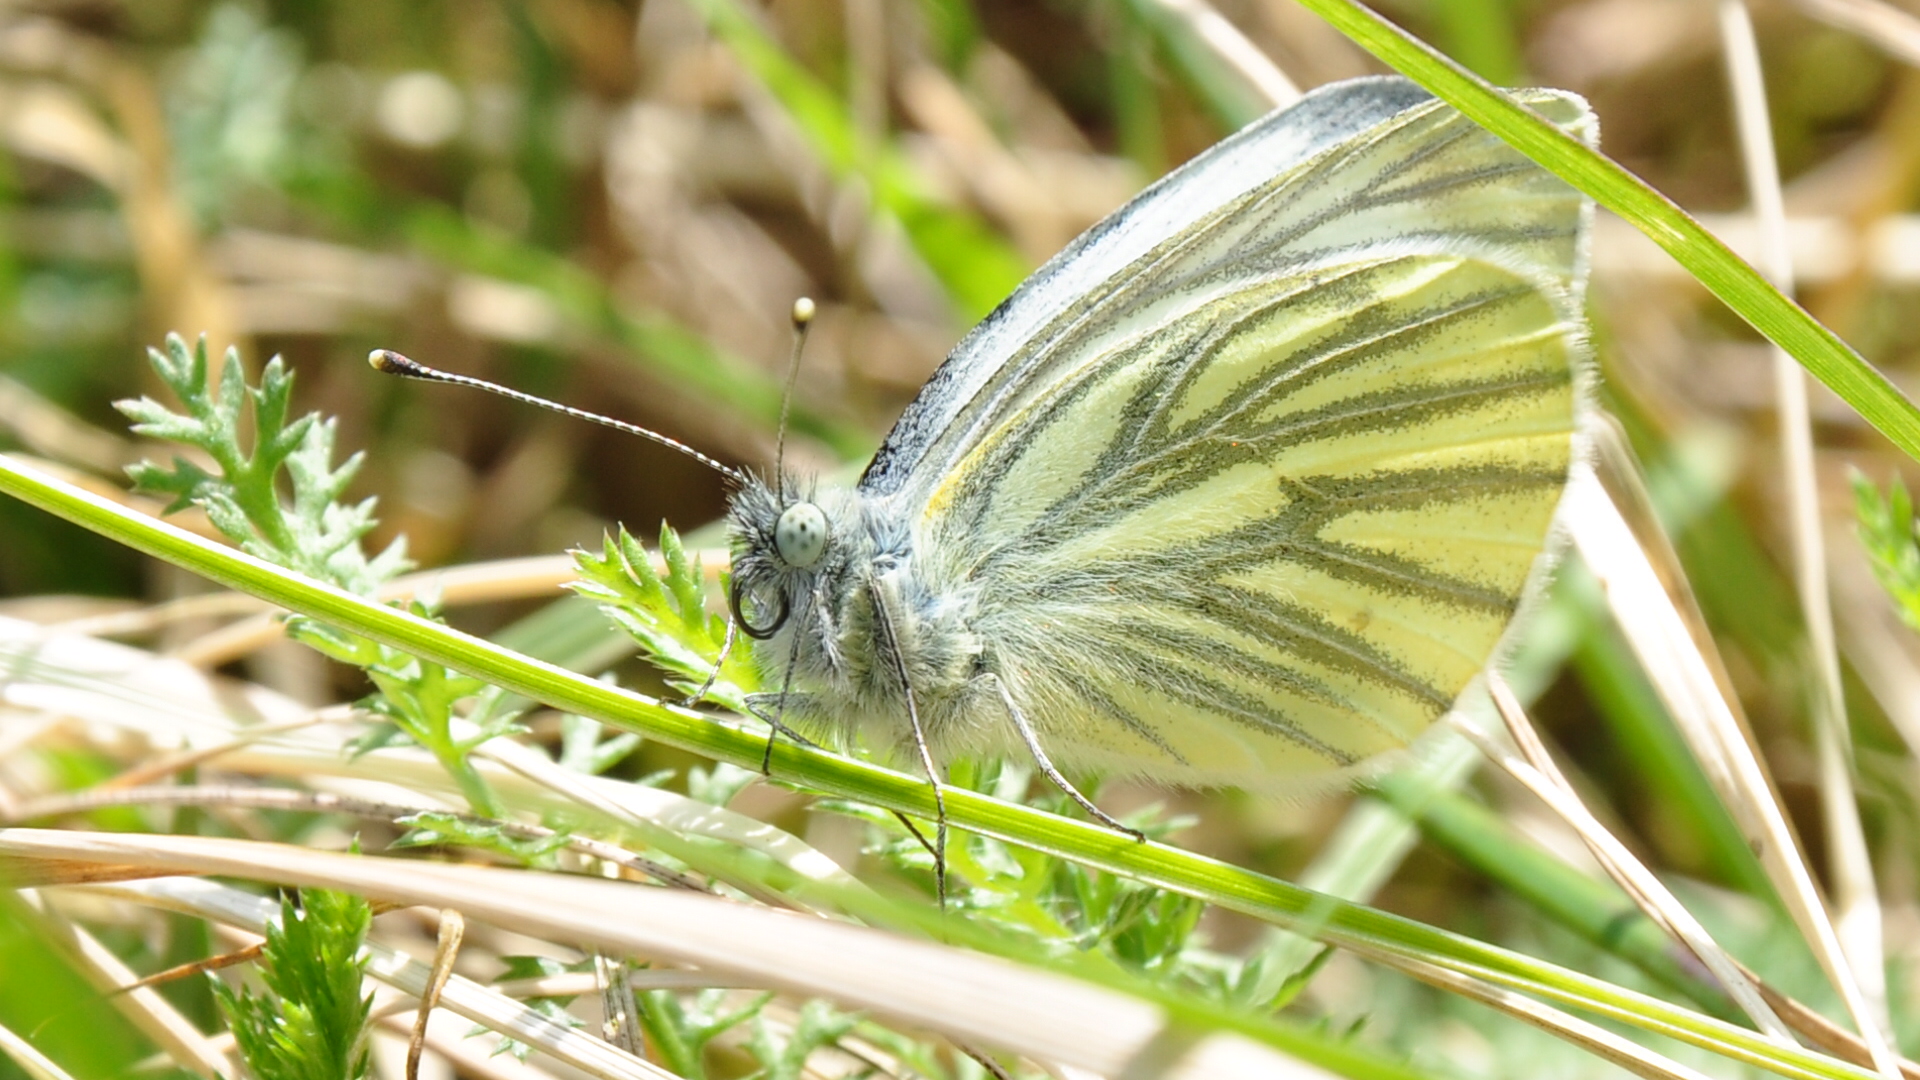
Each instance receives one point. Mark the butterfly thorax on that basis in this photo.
(840, 639)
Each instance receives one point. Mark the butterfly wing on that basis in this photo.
(961, 396)
(1257, 502)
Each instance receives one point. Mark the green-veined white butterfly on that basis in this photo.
(1242, 488)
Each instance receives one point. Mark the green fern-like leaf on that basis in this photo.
(665, 613)
(312, 1023)
(678, 1027)
(437, 828)
(783, 1054)
(311, 533)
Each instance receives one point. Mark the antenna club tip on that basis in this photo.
(389, 362)
(804, 310)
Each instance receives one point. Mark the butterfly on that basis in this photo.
(1243, 488)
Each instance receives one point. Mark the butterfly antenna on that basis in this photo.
(392, 363)
(803, 312)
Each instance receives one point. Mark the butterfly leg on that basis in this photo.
(770, 715)
(939, 801)
(726, 649)
(1047, 770)
(777, 719)
(888, 641)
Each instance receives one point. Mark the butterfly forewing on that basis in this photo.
(1248, 159)
(1277, 487)
(1425, 180)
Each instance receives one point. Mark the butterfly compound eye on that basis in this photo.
(801, 535)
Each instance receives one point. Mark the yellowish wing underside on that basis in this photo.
(1277, 535)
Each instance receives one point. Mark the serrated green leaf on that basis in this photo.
(312, 533)
(683, 582)
(585, 748)
(312, 1025)
(783, 1055)
(666, 616)
(1891, 537)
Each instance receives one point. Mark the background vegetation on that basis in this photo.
(614, 204)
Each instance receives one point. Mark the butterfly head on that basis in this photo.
(787, 539)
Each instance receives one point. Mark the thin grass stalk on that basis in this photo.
(525, 578)
(1893, 31)
(452, 930)
(319, 802)
(1674, 662)
(1604, 1044)
(1201, 23)
(483, 1005)
(1359, 856)
(1850, 865)
(153, 1014)
(467, 1057)
(1377, 833)
(1543, 777)
(35, 1064)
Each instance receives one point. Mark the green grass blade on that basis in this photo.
(1232, 100)
(1369, 932)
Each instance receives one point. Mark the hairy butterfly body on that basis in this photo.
(1243, 488)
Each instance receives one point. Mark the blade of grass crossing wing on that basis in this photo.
(1738, 285)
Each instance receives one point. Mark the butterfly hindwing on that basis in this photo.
(1261, 503)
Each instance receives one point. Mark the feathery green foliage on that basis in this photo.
(312, 1022)
(666, 614)
(1891, 537)
(438, 828)
(312, 533)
